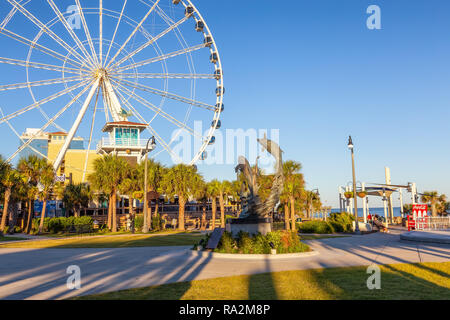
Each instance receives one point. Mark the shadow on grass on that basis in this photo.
(262, 286)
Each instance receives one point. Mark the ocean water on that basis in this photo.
(378, 211)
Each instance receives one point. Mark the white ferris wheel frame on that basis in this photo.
(79, 67)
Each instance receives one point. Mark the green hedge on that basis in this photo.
(283, 241)
(341, 221)
(62, 224)
(337, 222)
(316, 226)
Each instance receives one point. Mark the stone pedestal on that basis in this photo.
(250, 225)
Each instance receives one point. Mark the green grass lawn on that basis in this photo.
(398, 281)
(117, 241)
(11, 239)
(107, 233)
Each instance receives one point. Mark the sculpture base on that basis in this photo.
(250, 225)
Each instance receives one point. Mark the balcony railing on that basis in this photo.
(121, 143)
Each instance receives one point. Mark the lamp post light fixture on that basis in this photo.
(152, 146)
(351, 148)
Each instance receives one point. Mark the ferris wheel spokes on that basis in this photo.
(115, 31)
(159, 111)
(43, 27)
(150, 129)
(38, 65)
(49, 122)
(161, 57)
(150, 42)
(41, 102)
(40, 47)
(163, 76)
(165, 94)
(133, 33)
(85, 28)
(71, 32)
(75, 125)
(40, 83)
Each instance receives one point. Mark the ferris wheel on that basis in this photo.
(74, 65)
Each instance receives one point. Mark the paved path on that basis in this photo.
(41, 273)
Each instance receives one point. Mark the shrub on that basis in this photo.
(342, 221)
(156, 223)
(61, 224)
(138, 222)
(282, 241)
(316, 226)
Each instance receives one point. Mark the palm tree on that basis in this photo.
(182, 181)
(9, 178)
(109, 171)
(77, 196)
(293, 185)
(47, 181)
(129, 186)
(31, 170)
(225, 189)
(213, 191)
(433, 199)
(311, 201)
(155, 172)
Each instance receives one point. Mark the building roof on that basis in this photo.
(110, 125)
(60, 133)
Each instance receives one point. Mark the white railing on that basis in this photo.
(433, 223)
(121, 143)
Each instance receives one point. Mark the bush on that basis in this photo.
(341, 221)
(62, 224)
(283, 242)
(138, 222)
(316, 226)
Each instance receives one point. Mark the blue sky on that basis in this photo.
(313, 70)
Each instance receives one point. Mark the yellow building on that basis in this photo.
(75, 159)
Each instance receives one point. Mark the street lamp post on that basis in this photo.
(145, 227)
(351, 147)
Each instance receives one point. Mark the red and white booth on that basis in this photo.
(418, 220)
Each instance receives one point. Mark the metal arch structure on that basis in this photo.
(87, 65)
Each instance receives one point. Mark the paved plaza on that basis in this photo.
(41, 273)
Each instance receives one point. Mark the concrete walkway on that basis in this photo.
(41, 273)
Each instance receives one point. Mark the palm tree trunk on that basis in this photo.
(433, 210)
(110, 211)
(41, 223)
(114, 212)
(286, 217)
(5, 209)
(214, 209)
(181, 203)
(292, 200)
(156, 207)
(203, 222)
(12, 218)
(149, 215)
(222, 211)
(30, 212)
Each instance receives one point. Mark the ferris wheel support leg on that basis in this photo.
(75, 126)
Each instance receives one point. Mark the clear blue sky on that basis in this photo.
(313, 70)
